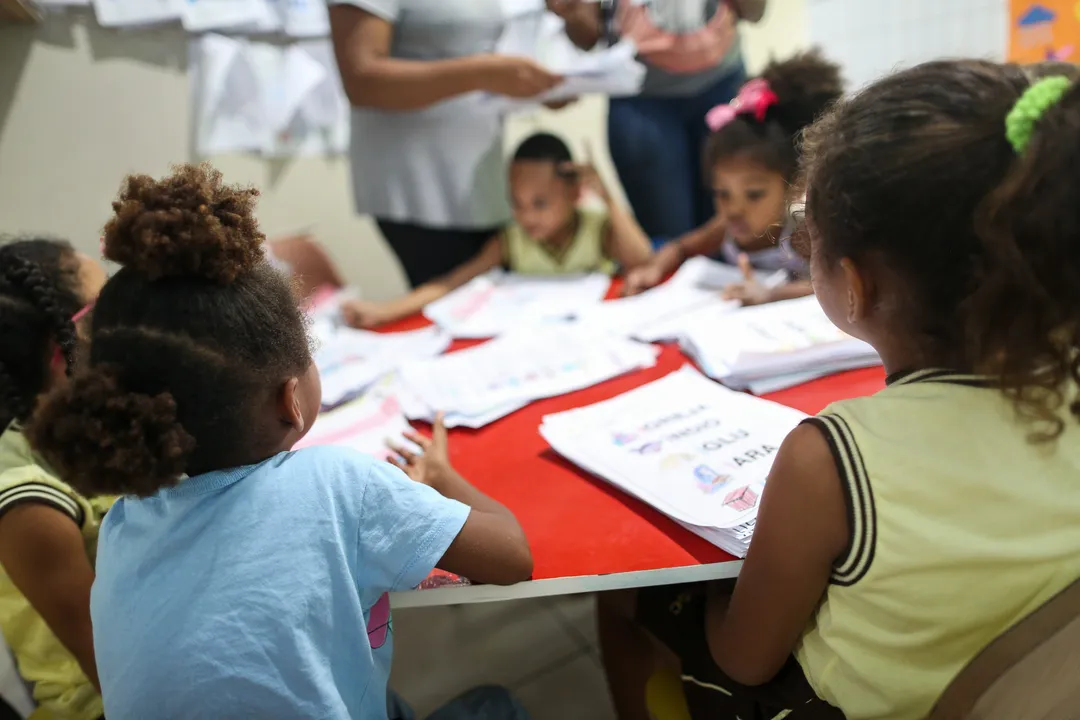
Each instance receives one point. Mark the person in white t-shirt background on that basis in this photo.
(694, 59)
(427, 159)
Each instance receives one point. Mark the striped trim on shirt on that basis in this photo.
(44, 494)
(855, 562)
(937, 376)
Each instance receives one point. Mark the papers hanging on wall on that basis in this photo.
(250, 96)
(136, 13)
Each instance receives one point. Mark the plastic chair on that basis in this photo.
(1031, 672)
(664, 696)
(308, 262)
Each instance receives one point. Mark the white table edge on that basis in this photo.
(460, 595)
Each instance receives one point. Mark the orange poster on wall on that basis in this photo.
(1044, 30)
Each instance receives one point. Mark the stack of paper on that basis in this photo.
(770, 347)
(350, 360)
(498, 302)
(638, 315)
(530, 32)
(476, 386)
(695, 451)
(366, 424)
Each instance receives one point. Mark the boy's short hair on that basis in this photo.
(544, 147)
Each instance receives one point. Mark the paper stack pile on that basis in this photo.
(695, 451)
(771, 347)
(479, 385)
(351, 360)
(498, 302)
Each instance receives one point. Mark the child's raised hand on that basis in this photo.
(750, 291)
(432, 466)
(366, 314)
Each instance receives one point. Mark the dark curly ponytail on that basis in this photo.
(39, 293)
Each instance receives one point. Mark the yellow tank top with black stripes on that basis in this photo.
(961, 528)
(60, 688)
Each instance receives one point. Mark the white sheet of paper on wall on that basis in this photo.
(304, 18)
(206, 15)
(48, 4)
(136, 13)
(229, 80)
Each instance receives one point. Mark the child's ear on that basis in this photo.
(289, 407)
(860, 290)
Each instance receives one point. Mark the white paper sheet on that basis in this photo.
(613, 71)
(251, 96)
(136, 13)
(767, 341)
(695, 451)
(498, 302)
(366, 424)
(230, 96)
(543, 361)
(351, 360)
(205, 15)
(305, 18)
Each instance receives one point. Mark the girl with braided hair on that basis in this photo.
(48, 531)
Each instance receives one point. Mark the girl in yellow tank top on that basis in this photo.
(900, 533)
(551, 234)
(48, 532)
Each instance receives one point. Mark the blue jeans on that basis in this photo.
(487, 702)
(657, 145)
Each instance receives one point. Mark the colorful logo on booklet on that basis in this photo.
(708, 480)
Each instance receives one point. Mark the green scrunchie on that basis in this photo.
(1029, 109)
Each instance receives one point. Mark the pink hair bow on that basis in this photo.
(755, 98)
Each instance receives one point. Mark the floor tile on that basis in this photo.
(574, 691)
(441, 652)
(578, 614)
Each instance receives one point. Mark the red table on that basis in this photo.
(585, 534)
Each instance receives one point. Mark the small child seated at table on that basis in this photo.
(753, 155)
(899, 534)
(551, 234)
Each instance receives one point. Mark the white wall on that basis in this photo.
(81, 106)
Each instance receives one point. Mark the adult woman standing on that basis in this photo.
(692, 51)
(426, 149)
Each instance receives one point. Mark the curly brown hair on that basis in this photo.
(189, 344)
(806, 85)
(39, 293)
(915, 175)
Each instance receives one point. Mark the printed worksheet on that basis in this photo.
(350, 360)
(498, 302)
(694, 450)
(543, 361)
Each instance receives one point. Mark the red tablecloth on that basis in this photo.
(577, 524)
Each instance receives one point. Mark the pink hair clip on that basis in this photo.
(755, 98)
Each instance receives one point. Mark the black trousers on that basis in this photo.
(426, 253)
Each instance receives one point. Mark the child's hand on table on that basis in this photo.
(365, 314)
(432, 466)
(642, 278)
(750, 291)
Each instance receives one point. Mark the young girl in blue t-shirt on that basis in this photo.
(236, 578)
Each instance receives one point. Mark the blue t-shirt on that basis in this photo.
(260, 591)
